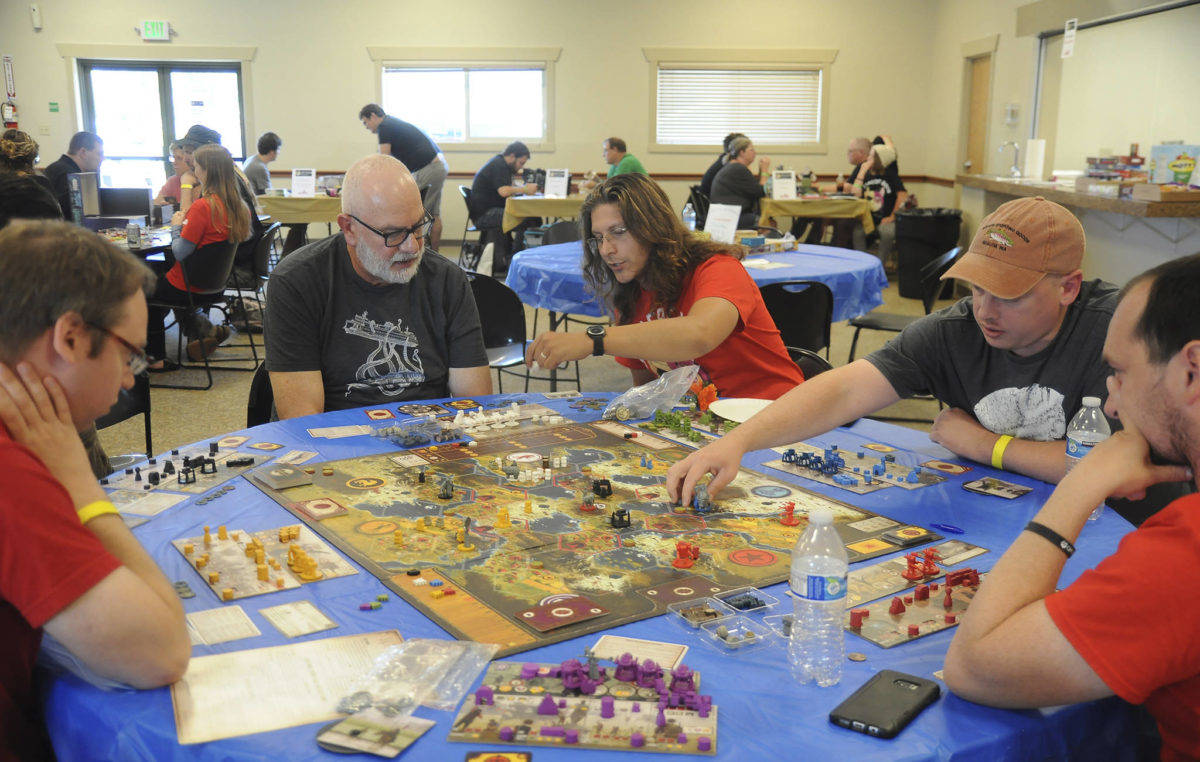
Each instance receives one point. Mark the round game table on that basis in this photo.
(762, 713)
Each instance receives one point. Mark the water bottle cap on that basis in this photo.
(1091, 402)
(820, 515)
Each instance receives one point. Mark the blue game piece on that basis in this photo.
(856, 469)
(435, 583)
(867, 477)
(860, 453)
(912, 478)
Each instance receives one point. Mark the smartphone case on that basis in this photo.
(885, 704)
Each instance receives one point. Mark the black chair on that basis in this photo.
(699, 201)
(802, 311)
(469, 225)
(810, 363)
(262, 398)
(931, 285)
(260, 265)
(207, 271)
(561, 232)
(131, 402)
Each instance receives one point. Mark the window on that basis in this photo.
(777, 97)
(139, 108)
(469, 105)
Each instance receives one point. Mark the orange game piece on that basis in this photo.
(227, 594)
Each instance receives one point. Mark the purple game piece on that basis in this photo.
(703, 743)
(484, 696)
(606, 707)
(637, 707)
(555, 731)
(662, 718)
(626, 670)
(572, 736)
(529, 671)
(506, 733)
(637, 740)
(548, 706)
(682, 739)
(705, 705)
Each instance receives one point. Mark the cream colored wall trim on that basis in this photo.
(981, 47)
(475, 56)
(72, 52)
(741, 58)
(1048, 15)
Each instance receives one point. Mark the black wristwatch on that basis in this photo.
(597, 333)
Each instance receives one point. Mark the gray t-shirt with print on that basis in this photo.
(373, 344)
(945, 354)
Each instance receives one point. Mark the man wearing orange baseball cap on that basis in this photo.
(1012, 362)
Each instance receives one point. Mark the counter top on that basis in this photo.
(1082, 200)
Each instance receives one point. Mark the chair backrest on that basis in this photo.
(802, 311)
(131, 402)
(931, 277)
(501, 313)
(262, 397)
(466, 194)
(699, 201)
(810, 363)
(561, 232)
(207, 269)
(262, 251)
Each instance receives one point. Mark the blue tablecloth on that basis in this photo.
(550, 277)
(764, 715)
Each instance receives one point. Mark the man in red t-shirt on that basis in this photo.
(74, 314)
(1131, 626)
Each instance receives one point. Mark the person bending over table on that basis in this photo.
(74, 316)
(1013, 361)
(181, 164)
(736, 186)
(217, 215)
(710, 174)
(369, 316)
(1130, 626)
(677, 299)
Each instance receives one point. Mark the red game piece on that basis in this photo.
(789, 515)
(929, 566)
(947, 602)
(913, 571)
(897, 606)
(856, 617)
(914, 630)
(685, 555)
(951, 618)
(921, 593)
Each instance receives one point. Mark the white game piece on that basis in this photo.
(458, 418)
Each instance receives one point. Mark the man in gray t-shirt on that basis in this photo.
(255, 168)
(1013, 360)
(351, 321)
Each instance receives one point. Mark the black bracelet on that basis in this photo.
(1061, 542)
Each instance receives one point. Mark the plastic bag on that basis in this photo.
(663, 393)
(436, 673)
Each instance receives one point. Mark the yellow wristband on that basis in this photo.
(92, 510)
(998, 451)
(181, 185)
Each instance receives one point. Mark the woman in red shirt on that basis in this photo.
(219, 214)
(677, 299)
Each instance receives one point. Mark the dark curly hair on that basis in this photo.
(18, 151)
(674, 250)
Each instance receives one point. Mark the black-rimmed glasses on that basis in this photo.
(393, 238)
(138, 361)
(615, 235)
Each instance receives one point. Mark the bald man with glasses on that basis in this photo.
(371, 316)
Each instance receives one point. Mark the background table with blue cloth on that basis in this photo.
(551, 278)
(763, 713)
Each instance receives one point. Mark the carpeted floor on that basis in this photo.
(180, 417)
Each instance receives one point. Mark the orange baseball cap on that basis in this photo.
(1018, 244)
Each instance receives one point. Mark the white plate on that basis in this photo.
(738, 409)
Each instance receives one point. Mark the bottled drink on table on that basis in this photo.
(817, 647)
(689, 216)
(1087, 429)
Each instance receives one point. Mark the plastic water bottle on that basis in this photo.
(689, 216)
(817, 647)
(1088, 428)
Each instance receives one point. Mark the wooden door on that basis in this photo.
(977, 113)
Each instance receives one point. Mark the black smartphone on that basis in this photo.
(885, 704)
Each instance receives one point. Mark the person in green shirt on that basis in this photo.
(620, 162)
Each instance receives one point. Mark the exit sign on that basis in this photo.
(156, 31)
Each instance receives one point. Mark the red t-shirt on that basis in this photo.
(751, 361)
(47, 560)
(200, 228)
(1135, 619)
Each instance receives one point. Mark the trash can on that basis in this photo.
(923, 235)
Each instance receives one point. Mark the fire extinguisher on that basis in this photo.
(8, 113)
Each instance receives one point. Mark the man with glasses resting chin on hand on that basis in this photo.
(369, 316)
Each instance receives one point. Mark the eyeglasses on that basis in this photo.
(615, 236)
(138, 362)
(394, 238)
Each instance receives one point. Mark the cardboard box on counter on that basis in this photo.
(1156, 192)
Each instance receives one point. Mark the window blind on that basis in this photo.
(701, 106)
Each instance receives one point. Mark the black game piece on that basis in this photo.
(421, 475)
(137, 474)
(212, 448)
(629, 435)
(602, 487)
(414, 572)
(208, 466)
(239, 462)
(169, 467)
(619, 519)
(153, 478)
(104, 480)
(175, 452)
(153, 461)
(128, 471)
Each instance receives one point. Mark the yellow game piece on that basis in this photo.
(207, 538)
(283, 534)
(221, 533)
(227, 594)
(279, 582)
(502, 519)
(213, 577)
(529, 506)
(437, 592)
(263, 574)
(310, 572)
(188, 549)
(201, 562)
(236, 536)
(398, 538)
(258, 556)
(465, 547)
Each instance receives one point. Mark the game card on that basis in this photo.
(997, 488)
(339, 432)
(419, 409)
(232, 441)
(380, 414)
(666, 655)
(266, 446)
(296, 619)
(220, 625)
(296, 457)
(373, 732)
(145, 504)
(562, 395)
(954, 469)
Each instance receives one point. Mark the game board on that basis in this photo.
(869, 583)
(518, 557)
(930, 607)
(225, 559)
(853, 474)
(626, 707)
(138, 478)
